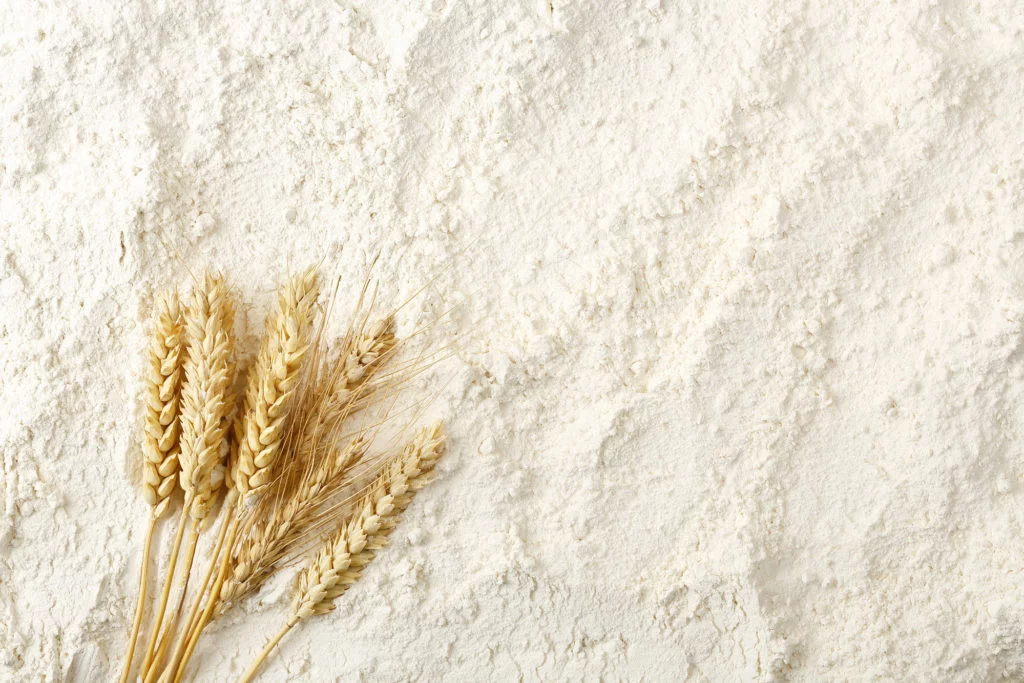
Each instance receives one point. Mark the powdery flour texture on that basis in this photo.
(734, 290)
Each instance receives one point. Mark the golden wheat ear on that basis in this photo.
(206, 401)
(160, 436)
(272, 382)
(340, 562)
(163, 387)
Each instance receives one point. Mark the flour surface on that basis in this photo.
(734, 288)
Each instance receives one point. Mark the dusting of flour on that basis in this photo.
(738, 392)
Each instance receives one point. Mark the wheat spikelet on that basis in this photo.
(163, 382)
(207, 399)
(360, 355)
(272, 383)
(340, 562)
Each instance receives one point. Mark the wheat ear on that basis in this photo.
(341, 561)
(160, 438)
(272, 382)
(206, 405)
(163, 385)
(207, 402)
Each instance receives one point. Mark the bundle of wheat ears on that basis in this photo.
(291, 473)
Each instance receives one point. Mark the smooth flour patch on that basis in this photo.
(737, 287)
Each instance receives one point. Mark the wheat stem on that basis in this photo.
(215, 558)
(193, 615)
(165, 593)
(140, 607)
(251, 673)
(212, 602)
(168, 634)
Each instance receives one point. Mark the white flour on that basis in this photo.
(739, 393)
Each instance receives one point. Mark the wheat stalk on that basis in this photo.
(259, 427)
(341, 561)
(207, 401)
(298, 463)
(179, 647)
(160, 437)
